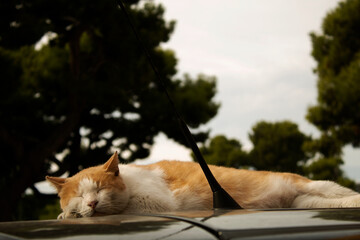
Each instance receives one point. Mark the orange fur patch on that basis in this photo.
(243, 185)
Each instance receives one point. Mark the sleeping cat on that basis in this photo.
(173, 185)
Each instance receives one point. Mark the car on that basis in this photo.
(215, 224)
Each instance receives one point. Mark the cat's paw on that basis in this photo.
(352, 202)
(69, 214)
(61, 216)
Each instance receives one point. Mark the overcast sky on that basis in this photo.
(259, 50)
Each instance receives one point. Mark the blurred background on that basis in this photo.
(263, 85)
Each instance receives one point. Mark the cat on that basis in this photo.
(114, 188)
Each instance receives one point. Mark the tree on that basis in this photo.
(337, 53)
(326, 159)
(224, 152)
(277, 147)
(89, 91)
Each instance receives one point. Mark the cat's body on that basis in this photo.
(175, 185)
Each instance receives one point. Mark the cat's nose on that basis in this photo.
(92, 204)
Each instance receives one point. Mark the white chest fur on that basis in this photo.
(147, 189)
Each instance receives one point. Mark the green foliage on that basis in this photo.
(325, 168)
(224, 152)
(337, 52)
(193, 95)
(33, 207)
(326, 145)
(50, 211)
(328, 169)
(90, 91)
(282, 147)
(277, 147)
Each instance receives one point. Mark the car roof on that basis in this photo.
(216, 224)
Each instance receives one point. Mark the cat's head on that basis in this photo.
(93, 191)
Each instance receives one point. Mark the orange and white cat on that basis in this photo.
(115, 188)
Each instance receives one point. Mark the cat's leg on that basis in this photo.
(326, 194)
(311, 201)
(150, 204)
(328, 189)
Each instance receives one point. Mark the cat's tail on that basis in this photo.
(326, 194)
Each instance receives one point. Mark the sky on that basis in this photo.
(260, 53)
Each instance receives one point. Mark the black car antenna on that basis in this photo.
(221, 199)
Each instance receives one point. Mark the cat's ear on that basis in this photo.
(57, 182)
(112, 164)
